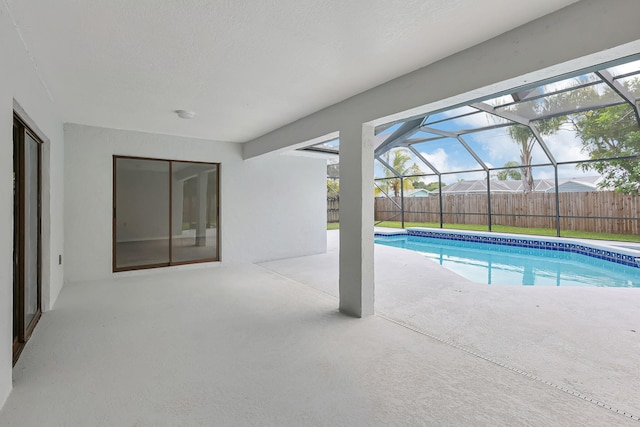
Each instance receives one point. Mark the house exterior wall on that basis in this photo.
(272, 207)
(20, 83)
(287, 199)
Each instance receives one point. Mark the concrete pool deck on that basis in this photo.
(264, 345)
(586, 340)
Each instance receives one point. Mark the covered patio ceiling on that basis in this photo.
(244, 68)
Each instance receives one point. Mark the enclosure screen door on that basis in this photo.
(165, 213)
(27, 241)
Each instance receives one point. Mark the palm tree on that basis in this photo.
(512, 174)
(398, 160)
(333, 187)
(524, 137)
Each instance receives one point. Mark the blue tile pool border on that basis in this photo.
(603, 252)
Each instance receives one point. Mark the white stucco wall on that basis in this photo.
(272, 207)
(288, 199)
(19, 82)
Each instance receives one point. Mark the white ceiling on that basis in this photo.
(245, 67)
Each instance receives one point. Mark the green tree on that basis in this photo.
(433, 186)
(512, 174)
(609, 133)
(399, 159)
(333, 187)
(526, 140)
(524, 137)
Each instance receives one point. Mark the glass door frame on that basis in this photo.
(171, 262)
(22, 332)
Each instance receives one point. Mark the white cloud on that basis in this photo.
(441, 161)
(565, 146)
(499, 150)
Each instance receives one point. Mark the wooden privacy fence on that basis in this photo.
(333, 208)
(598, 211)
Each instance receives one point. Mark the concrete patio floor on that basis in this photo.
(264, 345)
(584, 340)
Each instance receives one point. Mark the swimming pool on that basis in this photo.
(521, 260)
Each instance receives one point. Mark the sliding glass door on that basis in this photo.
(194, 208)
(26, 241)
(165, 213)
(142, 235)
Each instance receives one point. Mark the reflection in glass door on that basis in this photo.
(141, 220)
(194, 212)
(27, 241)
(166, 212)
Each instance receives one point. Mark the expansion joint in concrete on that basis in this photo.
(512, 369)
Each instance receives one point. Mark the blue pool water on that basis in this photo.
(508, 265)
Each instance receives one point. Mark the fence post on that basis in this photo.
(489, 198)
(402, 200)
(440, 197)
(555, 169)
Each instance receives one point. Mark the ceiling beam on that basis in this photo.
(405, 131)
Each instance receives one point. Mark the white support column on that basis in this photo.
(356, 220)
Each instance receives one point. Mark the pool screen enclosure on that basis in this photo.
(527, 149)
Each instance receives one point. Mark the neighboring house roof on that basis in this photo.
(586, 183)
(575, 185)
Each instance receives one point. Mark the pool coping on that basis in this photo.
(607, 252)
